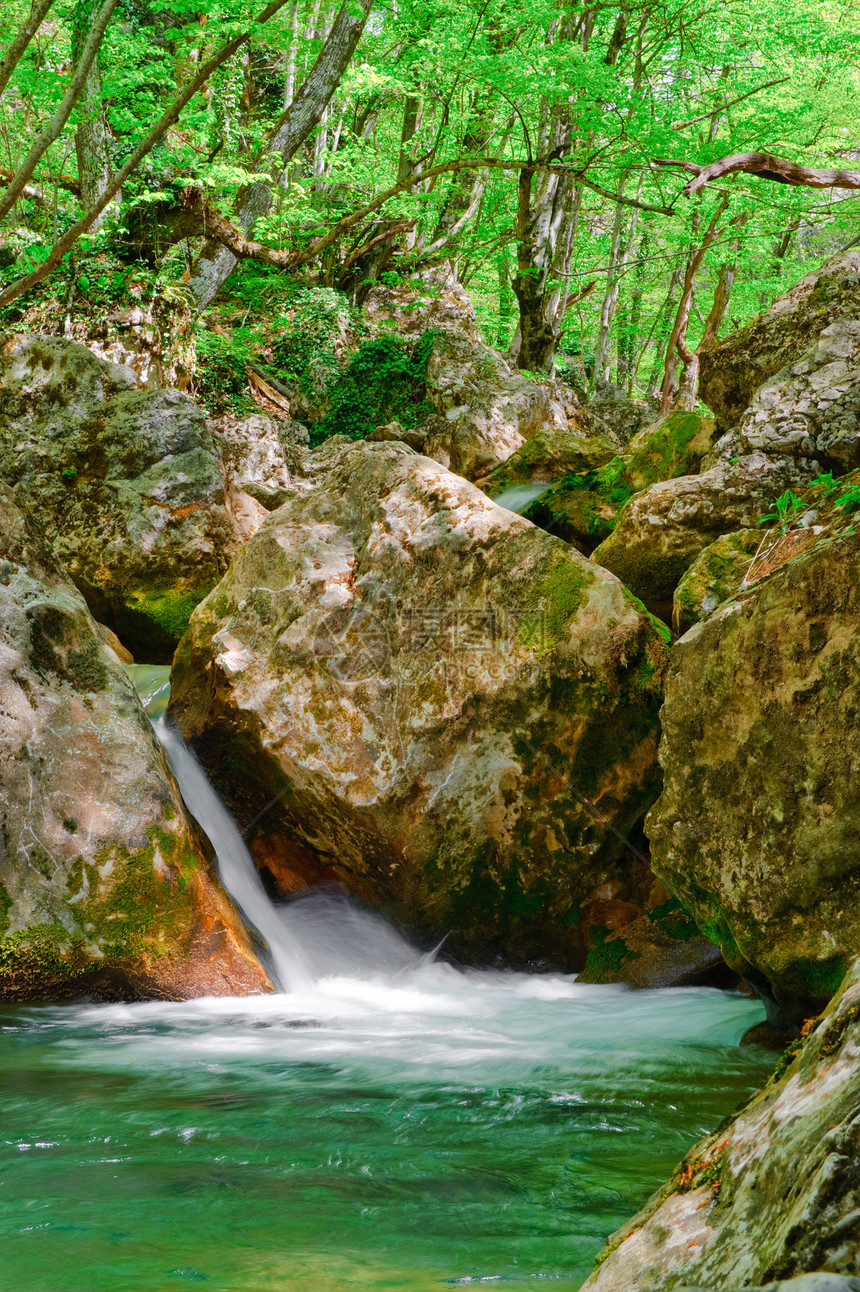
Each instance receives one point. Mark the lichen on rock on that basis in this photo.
(105, 888)
(447, 704)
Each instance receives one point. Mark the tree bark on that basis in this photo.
(91, 136)
(678, 335)
(216, 262)
(766, 166)
(31, 24)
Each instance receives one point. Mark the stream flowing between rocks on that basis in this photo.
(385, 1122)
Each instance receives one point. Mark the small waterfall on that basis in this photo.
(236, 869)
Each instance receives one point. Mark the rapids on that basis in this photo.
(387, 1122)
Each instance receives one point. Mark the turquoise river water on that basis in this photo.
(389, 1123)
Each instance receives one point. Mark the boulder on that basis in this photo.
(611, 413)
(548, 455)
(431, 700)
(715, 575)
(583, 508)
(755, 830)
(258, 455)
(810, 410)
(484, 410)
(732, 371)
(104, 889)
(775, 1195)
(126, 483)
(661, 531)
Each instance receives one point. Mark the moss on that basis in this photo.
(33, 958)
(787, 1057)
(152, 621)
(818, 979)
(86, 668)
(5, 908)
(835, 1035)
(671, 919)
(606, 954)
(559, 594)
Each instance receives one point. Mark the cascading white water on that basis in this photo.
(322, 934)
(236, 867)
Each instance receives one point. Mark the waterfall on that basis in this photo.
(236, 869)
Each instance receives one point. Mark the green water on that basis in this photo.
(408, 1131)
(389, 1124)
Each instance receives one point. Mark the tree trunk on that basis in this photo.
(216, 262)
(91, 136)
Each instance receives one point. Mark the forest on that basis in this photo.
(430, 645)
(270, 165)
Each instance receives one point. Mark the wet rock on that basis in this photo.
(715, 575)
(583, 508)
(755, 830)
(732, 371)
(450, 711)
(660, 948)
(126, 483)
(104, 889)
(661, 531)
(775, 1195)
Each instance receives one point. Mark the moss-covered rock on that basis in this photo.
(733, 370)
(456, 712)
(756, 828)
(773, 1195)
(126, 483)
(661, 530)
(715, 575)
(104, 889)
(584, 506)
(551, 454)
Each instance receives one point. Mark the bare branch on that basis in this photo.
(777, 169)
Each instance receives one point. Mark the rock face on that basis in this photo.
(733, 371)
(661, 531)
(484, 410)
(756, 828)
(453, 711)
(259, 455)
(550, 454)
(126, 483)
(715, 575)
(583, 507)
(103, 887)
(776, 1195)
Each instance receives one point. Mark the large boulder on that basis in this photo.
(259, 455)
(126, 483)
(660, 531)
(715, 575)
(430, 700)
(809, 411)
(551, 454)
(584, 506)
(484, 409)
(755, 830)
(104, 889)
(732, 371)
(774, 1195)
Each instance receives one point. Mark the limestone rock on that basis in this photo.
(611, 413)
(432, 699)
(755, 831)
(439, 302)
(548, 455)
(661, 531)
(258, 455)
(715, 575)
(732, 371)
(126, 483)
(810, 409)
(484, 409)
(583, 508)
(661, 948)
(104, 889)
(776, 1194)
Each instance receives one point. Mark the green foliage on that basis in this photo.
(385, 381)
(788, 508)
(850, 499)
